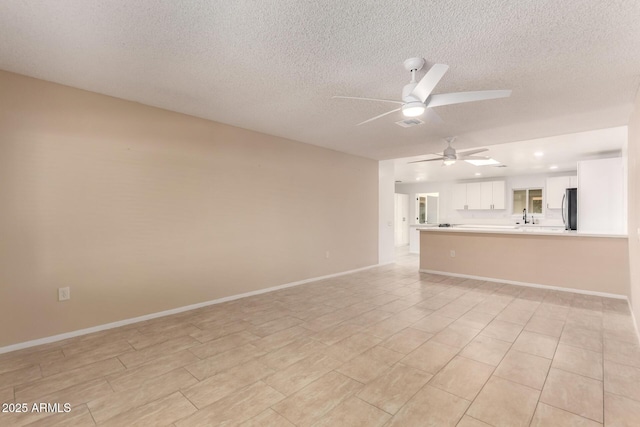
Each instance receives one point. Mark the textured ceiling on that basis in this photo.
(272, 66)
(556, 154)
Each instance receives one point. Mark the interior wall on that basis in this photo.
(140, 210)
(386, 192)
(633, 204)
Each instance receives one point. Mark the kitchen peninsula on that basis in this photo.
(553, 258)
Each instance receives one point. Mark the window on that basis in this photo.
(529, 199)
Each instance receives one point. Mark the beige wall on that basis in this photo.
(634, 207)
(596, 264)
(141, 210)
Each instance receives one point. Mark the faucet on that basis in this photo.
(524, 216)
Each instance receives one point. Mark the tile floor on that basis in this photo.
(382, 347)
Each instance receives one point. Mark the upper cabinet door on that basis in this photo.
(474, 195)
(499, 198)
(486, 195)
(459, 196)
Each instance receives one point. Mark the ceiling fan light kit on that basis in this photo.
(417, 97)
(413, 109)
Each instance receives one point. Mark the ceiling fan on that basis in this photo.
(417, 97)
(449, 156)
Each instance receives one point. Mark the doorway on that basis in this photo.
(427, 207)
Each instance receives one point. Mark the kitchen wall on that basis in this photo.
(633, 171)
(141, 210)
(495, 217)
(593, 264)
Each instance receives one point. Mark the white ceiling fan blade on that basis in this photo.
(432, 116)
(377, 117)
(460, 97)
(428, 160)
(429, 81)
(366, 99)
(472, 152)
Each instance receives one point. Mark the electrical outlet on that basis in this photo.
(452, 253)
(64, 294)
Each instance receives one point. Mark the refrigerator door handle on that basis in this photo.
(564, 221)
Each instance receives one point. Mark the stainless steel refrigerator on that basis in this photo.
(570, 209)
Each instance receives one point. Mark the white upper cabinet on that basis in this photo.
(474, 195)
(499, 198)
(556, 188)
(602, 196)
(486, 195)
(479, 195)
(492, 195)
(460, 196)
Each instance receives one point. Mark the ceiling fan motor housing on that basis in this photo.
(412, 106)
(449, 152)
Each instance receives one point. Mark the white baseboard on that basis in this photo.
(66, 335)
(382, 264)
(532, 285)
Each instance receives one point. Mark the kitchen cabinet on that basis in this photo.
(414, 240)
(499, 195)
(460, 196)
(602, 196)
(492, 195)
(556, 187)
(474, 195)
(479, 195)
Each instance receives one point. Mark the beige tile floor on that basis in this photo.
(387, 346)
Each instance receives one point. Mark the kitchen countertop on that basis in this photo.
(528, 230)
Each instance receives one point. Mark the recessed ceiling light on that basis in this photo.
(478, 174)
(483, 162)
(553, 167)
(418, 179)
(538, 154)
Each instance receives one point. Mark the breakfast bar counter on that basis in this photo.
(535, 256)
